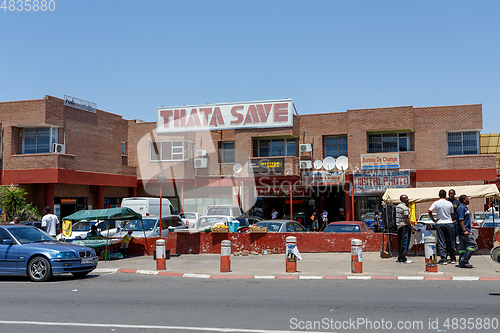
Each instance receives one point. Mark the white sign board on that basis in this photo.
(264, 114)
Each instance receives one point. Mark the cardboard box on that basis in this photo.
(258, 230)
(224, 230)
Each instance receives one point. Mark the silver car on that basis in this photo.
(281, 226)
(149, 226)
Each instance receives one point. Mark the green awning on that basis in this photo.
(120, 213)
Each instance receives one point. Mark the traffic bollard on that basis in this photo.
(161, 261)
(430, 254)
(225, 256)
(356, 256)
(291, 258)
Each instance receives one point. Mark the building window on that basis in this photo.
(463, 143)
(335, 146)
(227, 152)
(171, 150)
(38, 140)
(124, 148)
(388, 142)
(277, 147)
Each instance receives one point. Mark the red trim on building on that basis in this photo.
(456, 175)
(62, 176)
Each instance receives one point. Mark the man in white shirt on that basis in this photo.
(444, 230)
(274, 214)
(50, 222)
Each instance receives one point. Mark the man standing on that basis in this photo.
(444, 229)
(274, 214)
(50, 222)
(324, 216)
(454, 201)
(376, 222)
(467, 242)
(404, 228)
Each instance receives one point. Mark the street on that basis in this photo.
(118, 302)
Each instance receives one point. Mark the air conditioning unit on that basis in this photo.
(304, 148)
(201, 153)
(200, 163)
(305, 164)
(59, 148)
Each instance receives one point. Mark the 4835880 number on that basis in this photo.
(28, 5)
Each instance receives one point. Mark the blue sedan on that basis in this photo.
(28, 251)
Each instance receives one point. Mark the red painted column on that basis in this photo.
(134, 191)
(99, 197)
(349, 201)
(49, 196)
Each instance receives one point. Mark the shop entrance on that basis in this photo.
(68, 206)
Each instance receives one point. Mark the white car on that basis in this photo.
(79, 230)
(191, 220)
(210, 221)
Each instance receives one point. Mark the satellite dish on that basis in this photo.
(329, 163)
(237, 167)
(342, 163)
(318, 164)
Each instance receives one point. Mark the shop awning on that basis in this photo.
(432, 193)
(120, 213)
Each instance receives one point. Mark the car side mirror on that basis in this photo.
(7, 242)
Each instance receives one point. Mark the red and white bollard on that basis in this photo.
(430, 254)
(291, 258)
(225, 256)
(356, 256)
(161, 260)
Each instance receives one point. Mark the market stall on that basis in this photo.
(120, 213)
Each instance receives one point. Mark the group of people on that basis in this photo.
(452, 219)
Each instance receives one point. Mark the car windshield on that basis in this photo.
(484, 216)
(370, 216)
(83, 225)
(424, 217)
(271, 226)
(105, 225)
(219, 211)
(343, 228)
(188, 215)
(28, 234)
(136, 225)
(211, 221)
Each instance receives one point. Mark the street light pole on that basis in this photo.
(160, 179)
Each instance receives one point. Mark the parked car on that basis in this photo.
(210, 221)
(79, 229)
(491, 223)
(191, 220)
(37, 224)
(245, 221)
(425, 218)
(369, 219)
(149, 226)
(281, 226)
(108, 228)
(348, 226)
(224, 210)
(28, 251)
(478, 217)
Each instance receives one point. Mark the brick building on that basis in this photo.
(250, 155)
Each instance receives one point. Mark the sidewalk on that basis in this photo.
(312, 266)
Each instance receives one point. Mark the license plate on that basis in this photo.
(87, 260)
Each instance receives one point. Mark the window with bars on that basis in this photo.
(388, 142)
(38, 140)
(277, 147)
(462, 143)
(226, 152)
(335, 146)
(171, 150)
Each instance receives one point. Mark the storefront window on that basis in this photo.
(277, 147)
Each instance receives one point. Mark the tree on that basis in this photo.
(13, 203)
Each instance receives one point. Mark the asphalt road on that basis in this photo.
(141, 303)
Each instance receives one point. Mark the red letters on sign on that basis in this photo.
(281, 112)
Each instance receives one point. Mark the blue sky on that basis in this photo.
(129, 57)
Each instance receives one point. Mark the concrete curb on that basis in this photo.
(297, 277)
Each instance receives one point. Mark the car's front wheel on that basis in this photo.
(39, 269)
